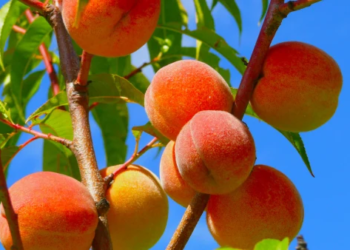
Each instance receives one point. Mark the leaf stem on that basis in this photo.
(251, 75)
(84, 68)
(11, 216)
(35, 4)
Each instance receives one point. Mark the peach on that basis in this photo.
(266, 205)
(111, 28)
(181, 89)
(138, 211)
(171, 179)
(215, 152)
(55, 212)
(299, 88)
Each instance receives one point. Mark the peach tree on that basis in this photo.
(194, 112)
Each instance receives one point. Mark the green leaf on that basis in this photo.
(113, 122)
(9, 14)
(7, 154)
(213, 40)
(57, 158)
(214, 3)
(265, 5)
(297, 142)
(232, 7)
(108, 88)
(4, 137)
(5, 112)
(58, 123)
(80, 8)
(149, 129)
(31, 85)
(294, 138)
(172, 12)
(104, 88)
(204, 17)
(23, 54)
(58, 100)
(270, 244)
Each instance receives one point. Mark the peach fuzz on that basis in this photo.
(299, 88)
(181, 89)
(138, 211)
(215, 152)
(266, 205)
(55, 212)
(171, 179)
(111, 28)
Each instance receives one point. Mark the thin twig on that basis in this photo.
(84, 68)
(136, 155)
(35, 4)
(83, 150)
(11, 216)
(37, 134)
(296, 5)
(272, 22)
(45, 56)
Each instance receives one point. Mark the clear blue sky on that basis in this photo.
(325, 197)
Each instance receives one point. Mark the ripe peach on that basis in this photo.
(299, 89)
(181, 89)
(266, 205)
(171, 179)
(138, 208)
(55, 212)
(111, 28)
(215, 152)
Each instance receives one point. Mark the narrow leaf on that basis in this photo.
(80, 8)
(149, 129)
(213, 40)
(58, 123)
(57, 158)
(265, 4)
(7, 154)
(31, 85)
(113, 122)
(24, 52)
(232, 7)
(9, 14)
(271, 244)
(5, 112)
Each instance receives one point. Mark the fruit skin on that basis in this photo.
(55, 212)
(266, 205)
(181, 89)
(138, 211)
(112, 28)
(171, 179)
(215, 152)
(299, 89)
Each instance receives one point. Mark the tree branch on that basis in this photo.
(271, 23)
(37, 134)
(11, 216)
(302, 245)
(35, 4)
(296, 5)
(82, 143)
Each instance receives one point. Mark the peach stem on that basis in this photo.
(37, 5)
(84, 68)
(251, 75)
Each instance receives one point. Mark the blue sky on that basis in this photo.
(325, 197)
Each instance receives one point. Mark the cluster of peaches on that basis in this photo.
(210, 150)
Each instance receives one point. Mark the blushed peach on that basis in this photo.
(171, 179)
(181, 89)
(215, 152)
(111, 28)
(299, 89)
(55, 212)
(266, 206)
